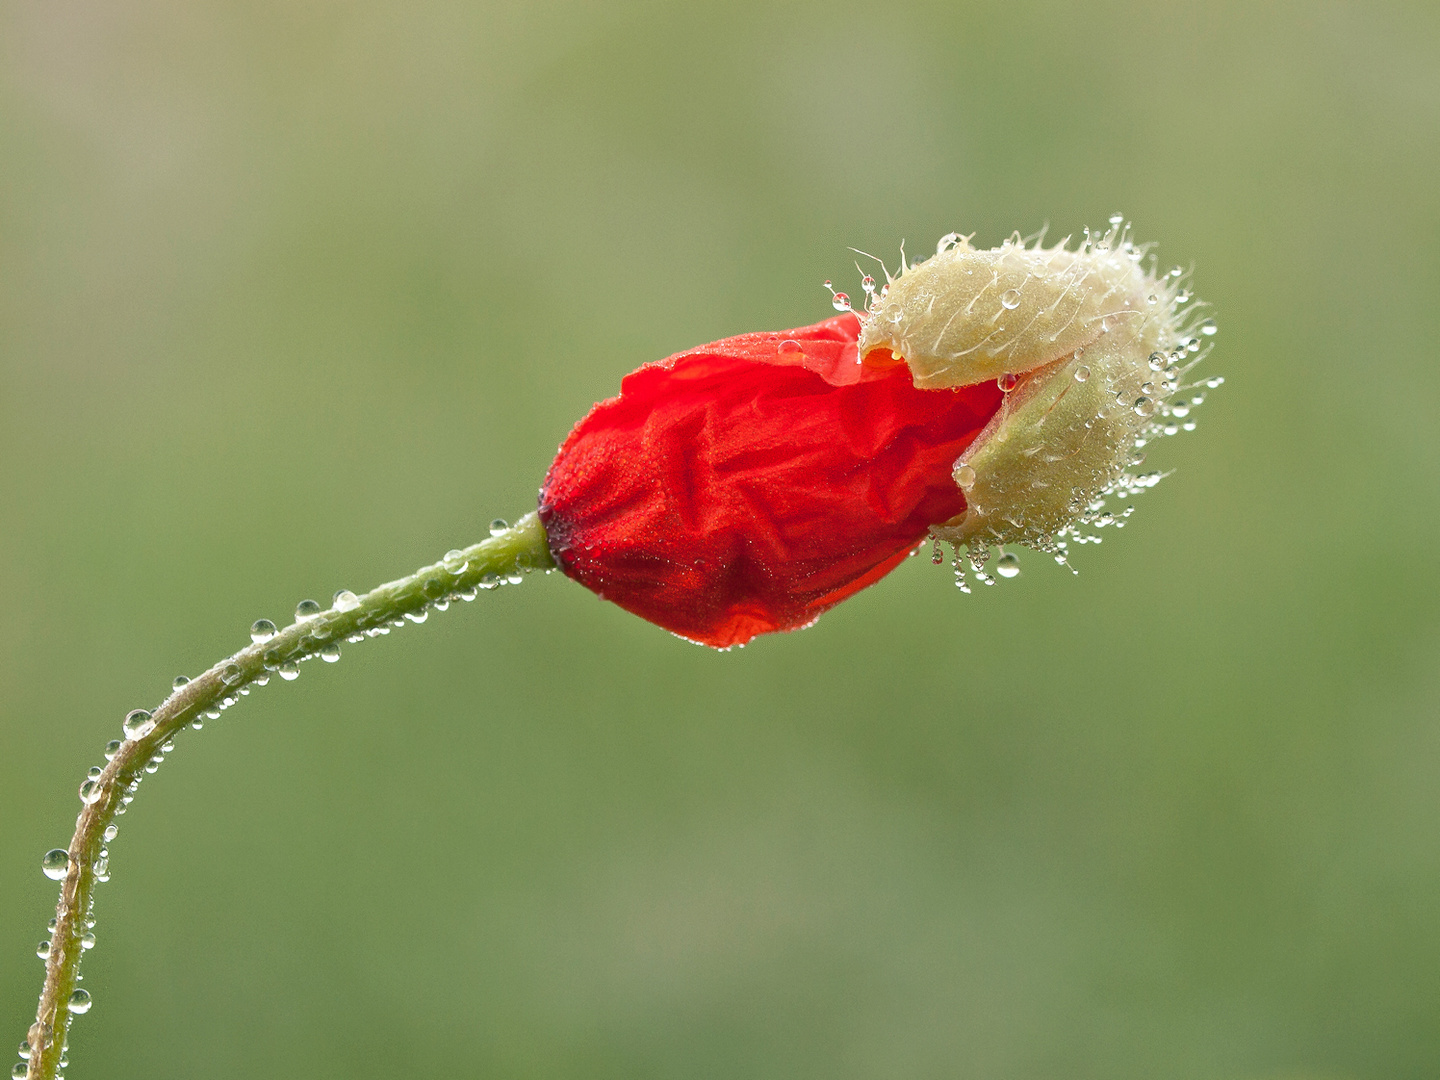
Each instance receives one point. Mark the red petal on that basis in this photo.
(745, 487)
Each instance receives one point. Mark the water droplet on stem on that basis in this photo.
(137, 723)
(55, 863)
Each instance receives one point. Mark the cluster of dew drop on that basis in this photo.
(1163, 404)
(55, 863)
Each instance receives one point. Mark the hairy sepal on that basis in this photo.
(1085, 338)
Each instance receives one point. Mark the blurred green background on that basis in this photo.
(294, 297)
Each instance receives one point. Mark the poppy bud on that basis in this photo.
(986, 397)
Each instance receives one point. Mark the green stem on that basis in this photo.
(518, 549)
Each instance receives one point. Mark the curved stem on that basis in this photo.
(520, 548)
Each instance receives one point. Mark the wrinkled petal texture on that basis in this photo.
(748, 485)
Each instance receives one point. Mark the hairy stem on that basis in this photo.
(518, 549)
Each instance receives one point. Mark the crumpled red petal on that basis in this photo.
(748, 485)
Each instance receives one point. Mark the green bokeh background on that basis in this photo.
(296, 296)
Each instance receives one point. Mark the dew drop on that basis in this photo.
(261, 630)
(289, 671)
(1144, 408)
(25, 1050)
(111, 831)
(965, 476)
(306, 610)
(417, 616)
(937, 554)
(137, 723)
(1116, 219)
(432, 588)
(489, 581)
(43, 950)
(455, 561)
(80, 1002)
(1082, 373)
(1010, 299)
(1007, 382)
(87, 941)
(230, 674)
(790, 347)
(55, 863)
(330, 653)
(180, 680)
(345, 600)
(1008, 565)
(90, 792)
(112, 748)
(840, 302)
(1208, 328)
(515, 577)
(20, 1069)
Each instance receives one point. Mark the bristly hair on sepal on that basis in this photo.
(1093, 348)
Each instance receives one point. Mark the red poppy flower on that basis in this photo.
(747, 485)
